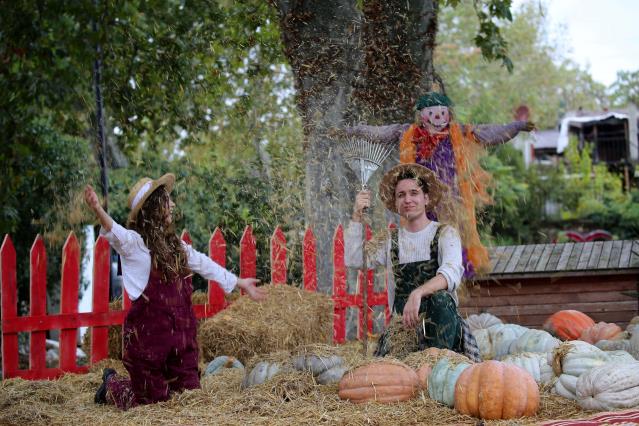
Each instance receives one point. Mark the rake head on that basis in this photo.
(364, 157)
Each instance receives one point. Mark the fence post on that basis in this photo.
(9, 296)
(101, 271)
(278, 257)
(309, 256)
(38, 302)
(69, 300)
(248, 256)
(217, 252)
(339, 286)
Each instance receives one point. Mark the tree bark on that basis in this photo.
(351, 65)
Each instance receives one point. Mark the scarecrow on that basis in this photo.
(452, 151)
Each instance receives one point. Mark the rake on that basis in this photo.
(364, 157)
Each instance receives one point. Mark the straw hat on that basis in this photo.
(408, 171)
(145, 187)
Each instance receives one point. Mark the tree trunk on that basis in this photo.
(351, 65)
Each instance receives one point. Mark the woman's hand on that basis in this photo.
(248, 285)
(91, 198)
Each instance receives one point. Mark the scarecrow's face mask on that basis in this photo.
(435, 117)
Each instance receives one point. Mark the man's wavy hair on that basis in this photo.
(168, 256)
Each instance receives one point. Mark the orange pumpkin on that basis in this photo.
(495, 390)
(568, 324)
(600, 331)
(379, 381)
(422, 374)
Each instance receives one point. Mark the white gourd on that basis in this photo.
(482, 321)
(502, 337)
(534, 341)
(634, 346)
(484, 342)
(570, 360)
(608, 387)
(262, 372)
(534, 363)
(620, 357)
(566, 386)
(614, 345)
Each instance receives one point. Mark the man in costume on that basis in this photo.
(423, 258)
(452, 151)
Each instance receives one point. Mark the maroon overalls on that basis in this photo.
(160, 349)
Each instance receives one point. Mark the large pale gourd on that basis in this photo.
(614, 345)
(326, 369)
(482, 321)
(608, 387)
(570, 360)
(536, 364)
(222, 362)
(620, 357)
(503, 337)
(262, 372)
(495, 390)
(484, 343)
(379, 381)
(442, 379)
(633, 345)
(494, 342)
(568, 324)
(534, 341)
(631, 328)
(601, 331)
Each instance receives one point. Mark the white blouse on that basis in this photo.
(413, 247)
(136, 261)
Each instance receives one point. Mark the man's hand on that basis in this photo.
(248, 285)
(530, 126)
(411, 309)
(362, 201)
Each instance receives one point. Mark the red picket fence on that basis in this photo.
(69, 319)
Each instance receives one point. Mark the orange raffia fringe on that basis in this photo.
(472, 181)
(407, 152)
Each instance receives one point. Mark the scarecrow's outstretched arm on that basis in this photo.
(495, 134)
(388, 133)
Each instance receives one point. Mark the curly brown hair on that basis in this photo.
(167, 253)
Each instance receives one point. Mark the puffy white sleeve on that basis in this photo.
(124, 241)
(449, 257)
(207, 268)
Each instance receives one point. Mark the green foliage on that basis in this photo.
(625, 89)
(588, 196)
(543, 78)
(488, 37)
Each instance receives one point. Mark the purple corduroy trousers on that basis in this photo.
(160, 349)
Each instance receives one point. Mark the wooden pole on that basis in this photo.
(99, 113)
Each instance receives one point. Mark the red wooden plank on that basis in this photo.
(126, 300)
(248, 254)
(62, 321)
(217, 252)
(339, 286)
(550, 309)
(38, 302)
(186, 237)
(552, 285)
(9, 300)
(49, 373)
(278, 257)
(101, 270)
(69, 300)
(309, 256)
(551, 298)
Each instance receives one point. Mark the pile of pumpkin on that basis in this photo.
(593, 364)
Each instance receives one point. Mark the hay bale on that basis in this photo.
(288, 318)
(401, 341)
(114, 339)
